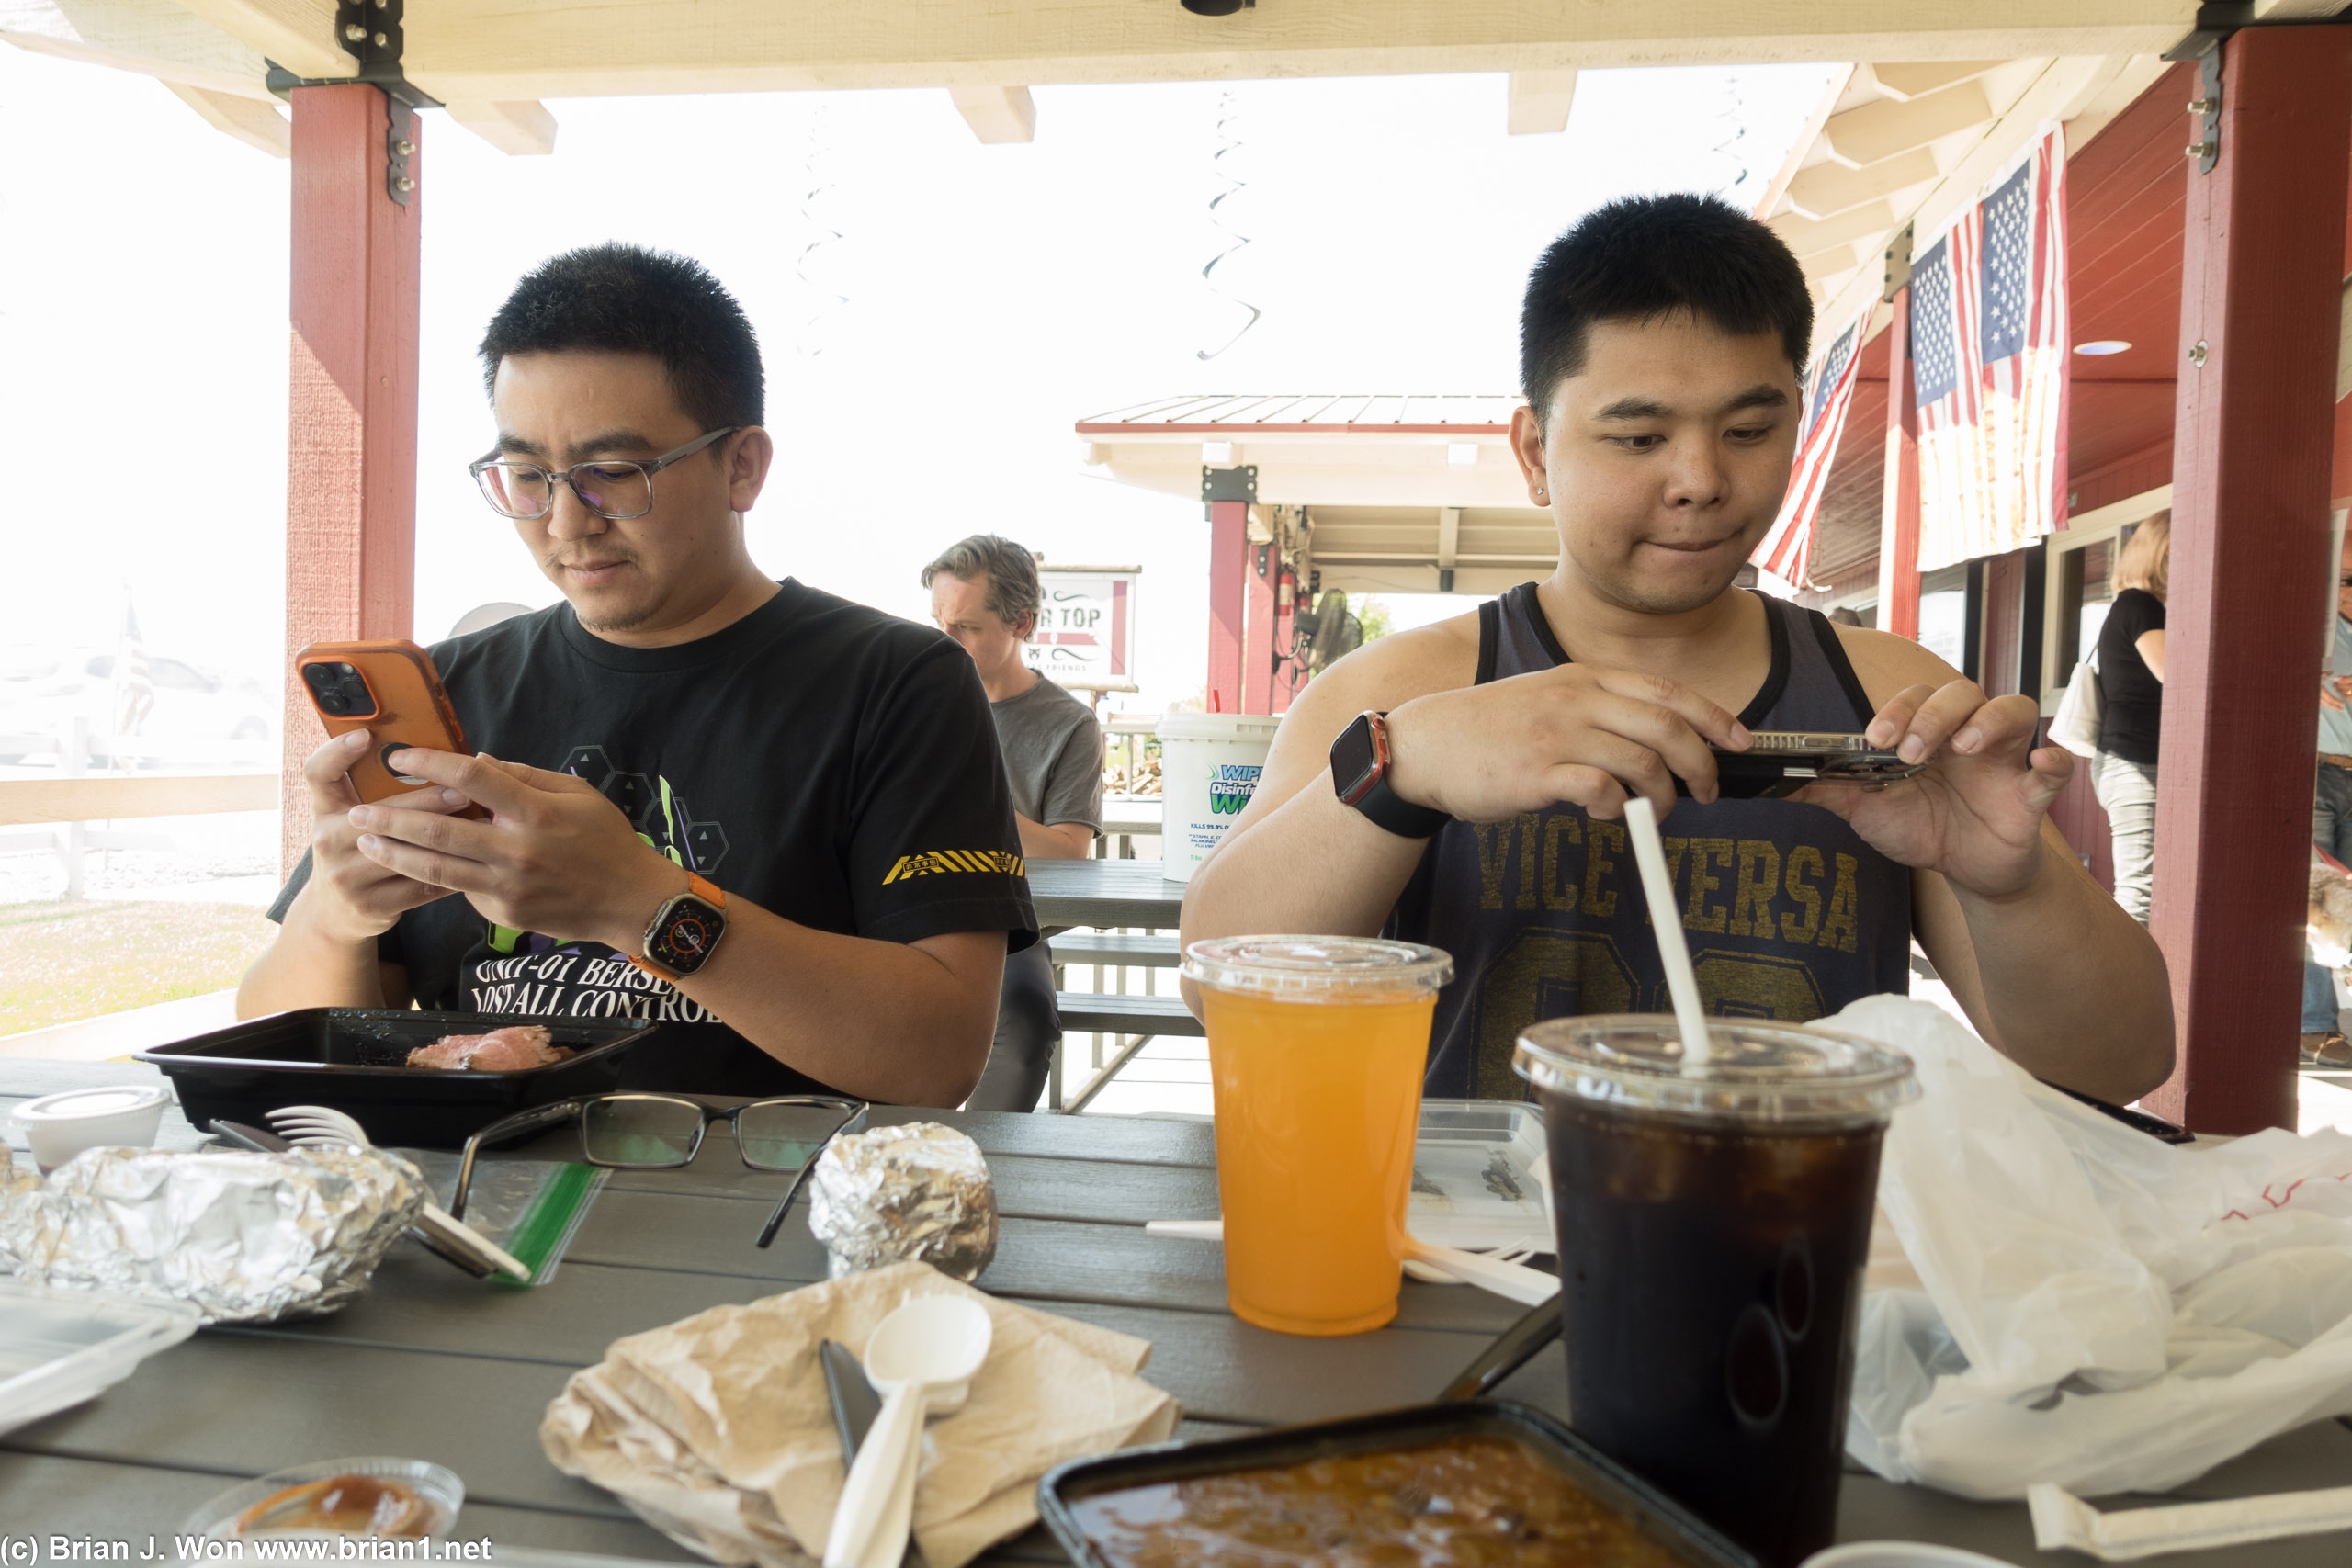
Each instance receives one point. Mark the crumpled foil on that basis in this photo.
(915, 1193)
(244, 1237)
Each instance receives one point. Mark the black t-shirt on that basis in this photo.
(2134, 697)
(829, 763)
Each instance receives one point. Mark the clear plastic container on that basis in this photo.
(1479, 1180)
(436, 1488)
(58, 1348)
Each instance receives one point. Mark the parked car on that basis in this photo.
(196, 716)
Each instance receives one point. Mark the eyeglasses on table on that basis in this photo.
(662, 1131)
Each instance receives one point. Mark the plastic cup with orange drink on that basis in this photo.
(1317, 1049)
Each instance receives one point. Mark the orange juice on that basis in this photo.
(1317, 1071)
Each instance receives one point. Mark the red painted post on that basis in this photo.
(2246, 624)
(1261, 568)
(1228, 562)
(1898, 540)
(350, 436)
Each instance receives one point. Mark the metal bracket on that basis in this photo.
(369, 31)
(1229, 484)
(1899, 265)
(400, 146)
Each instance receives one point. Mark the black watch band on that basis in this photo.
(1360, 764)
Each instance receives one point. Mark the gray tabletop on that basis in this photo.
(434, 1365)
(1104, 893)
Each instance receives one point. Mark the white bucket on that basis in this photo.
(1209, 765)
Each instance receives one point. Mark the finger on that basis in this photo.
(2003, 725)
(327, 773)
(2050, 767)
(1664, 733)
(1936, 720)
(477, 778)
(1594, 789)
(1709, 717)
(1894, 718)
(543, 778)
(2330, 701)
(1636, 768)
(431, 798)
(441, 870)
(452, 835)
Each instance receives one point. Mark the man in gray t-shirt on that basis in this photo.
(984, 593)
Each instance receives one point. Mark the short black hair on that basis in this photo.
(616, 298)
(1642, 257)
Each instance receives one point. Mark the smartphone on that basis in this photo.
(1781, 761)
(390, 690)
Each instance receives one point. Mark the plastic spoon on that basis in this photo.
(1673, 952)
(918, 1354)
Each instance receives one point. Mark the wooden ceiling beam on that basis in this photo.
(1540, 101)
(997, 114)
(545, 49)
(1806, 237)
(1826, 189)
(257, 125)
(1887, 129)
(523, 128)
(298, 34)
(1909, 79)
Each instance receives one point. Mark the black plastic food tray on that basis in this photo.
(1673, 1527)
(350, 1058)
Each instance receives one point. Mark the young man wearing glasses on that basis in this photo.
(772, 821)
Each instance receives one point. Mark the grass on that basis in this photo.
(60, 961)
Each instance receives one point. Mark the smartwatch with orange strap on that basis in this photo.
(684, 932)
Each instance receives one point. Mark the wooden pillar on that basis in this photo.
(350, 436)
(1228, 564)
(1898, 536)
(1262, 568)
(2251, 436)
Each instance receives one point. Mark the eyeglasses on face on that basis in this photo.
(661, 1131)
(614, 488)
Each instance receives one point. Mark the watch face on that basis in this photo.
(686, 936)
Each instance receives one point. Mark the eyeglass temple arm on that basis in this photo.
(854, 1123)
(521, 1121)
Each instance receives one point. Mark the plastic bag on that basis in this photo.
(2076, 1302)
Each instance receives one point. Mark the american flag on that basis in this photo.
(134, 682)
(1988, 365)
(1787, 551)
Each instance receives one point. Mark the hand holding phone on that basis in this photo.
(391, 690)
(1778, 762)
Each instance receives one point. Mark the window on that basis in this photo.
(1943, 613)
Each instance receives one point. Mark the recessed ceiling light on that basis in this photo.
(2104, 345)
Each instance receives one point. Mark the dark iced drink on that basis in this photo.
(1712, 1227)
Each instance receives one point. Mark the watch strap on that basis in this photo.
(1359, 768)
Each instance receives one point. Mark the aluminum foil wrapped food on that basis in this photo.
(244, 1237)
(915, 1193)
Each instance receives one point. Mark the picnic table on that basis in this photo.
(432, 1364)
(1104, 894)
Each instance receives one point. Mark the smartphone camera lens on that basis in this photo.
(339, 689)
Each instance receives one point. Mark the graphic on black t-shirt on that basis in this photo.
(531, 973)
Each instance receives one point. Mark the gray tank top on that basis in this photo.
(1789, 915)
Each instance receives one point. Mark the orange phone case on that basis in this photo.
(412, 709)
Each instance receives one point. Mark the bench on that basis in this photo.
(1114, 950)
(1137, 1019)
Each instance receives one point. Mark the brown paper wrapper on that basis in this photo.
(716, 1430)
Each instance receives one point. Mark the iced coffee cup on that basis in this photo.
(1316, 1048)
(1713, 1220)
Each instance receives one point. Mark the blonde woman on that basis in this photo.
(2132, 677)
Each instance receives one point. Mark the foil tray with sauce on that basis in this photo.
(1422, 1485)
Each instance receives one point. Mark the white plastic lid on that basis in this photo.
(1758, 1074)
(1900, 1555)
(61, 1346)
(1317, 968)
(88, 1104)
(1250, 727)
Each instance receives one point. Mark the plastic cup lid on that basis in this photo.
(76, 1104)
(1315, 967)
(1900, 1555)
(1759, 1073)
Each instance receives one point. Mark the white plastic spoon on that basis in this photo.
(923, 1350)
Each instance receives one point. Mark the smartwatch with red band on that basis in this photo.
(684, 932)
(1360, 764)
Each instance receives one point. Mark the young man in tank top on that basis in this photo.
(1663, 341)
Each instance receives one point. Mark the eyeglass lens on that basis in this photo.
(610, 490)
(640, 1132)
(775, 1136)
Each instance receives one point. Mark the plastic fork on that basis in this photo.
(322, 1126)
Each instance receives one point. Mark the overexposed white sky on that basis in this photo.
(995, 295)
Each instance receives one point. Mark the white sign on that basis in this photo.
(1086, 627)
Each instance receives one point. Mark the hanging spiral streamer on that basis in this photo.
(817, 186)
(1228, 142)
(1728, 148)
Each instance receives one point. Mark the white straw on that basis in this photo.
(1641, 822)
